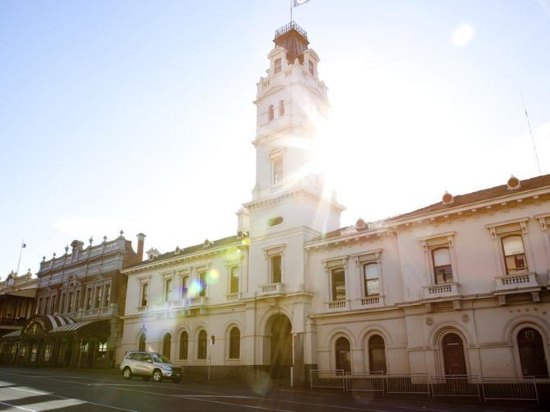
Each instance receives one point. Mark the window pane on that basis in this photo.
(371, 271)
(278, 170)
(276, 269)
(338, 284)
(234, 281)
(373, 287)
(441, 257)
(513, 245)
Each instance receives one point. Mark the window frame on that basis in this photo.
(202, 345)
(232, 350)
(502, 230)
(436, 242)
(330, 266)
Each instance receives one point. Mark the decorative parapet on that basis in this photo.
(272, 289)
(441, 291)
(337, 304)
(516, 282)
(371, 301)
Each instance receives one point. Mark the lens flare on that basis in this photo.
(212, 277)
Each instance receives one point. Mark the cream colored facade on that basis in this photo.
(459, 287)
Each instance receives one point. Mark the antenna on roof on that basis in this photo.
(530, 132)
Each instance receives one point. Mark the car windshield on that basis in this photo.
(160, 358)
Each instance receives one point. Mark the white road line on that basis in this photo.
(240, 405)
(14, 407)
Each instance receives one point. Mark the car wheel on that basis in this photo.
(157, 375)
(127, 373)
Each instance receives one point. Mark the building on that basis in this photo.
(80, 299)
(17, 296)
(458, 287)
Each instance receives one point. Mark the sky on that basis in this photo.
(138, 115)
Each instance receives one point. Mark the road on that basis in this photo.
(85, 390)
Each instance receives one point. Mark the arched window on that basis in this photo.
(167, 345)
(377, 355)
(234, 343)
(184, 345)
(281, 108)
(514, 254)
(531, 353)
(443, 270)
(141, 346)
(343, 355)
(453, 355)
(201, 348)
(271, 112)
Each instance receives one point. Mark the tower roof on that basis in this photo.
(293, 39)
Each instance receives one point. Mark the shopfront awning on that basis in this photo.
(90, 327)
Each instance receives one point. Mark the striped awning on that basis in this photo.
(14, 334)
(72, 327)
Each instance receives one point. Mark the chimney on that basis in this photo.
(141, 241)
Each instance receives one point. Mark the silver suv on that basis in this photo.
(149, 365)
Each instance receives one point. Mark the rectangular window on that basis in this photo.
(107, 295)
(371, 275)
(311, 67)
(443, 270)
(276, 269)
(202, 284)
(277, 170)
(47, 306)
(167, 290)
(70, 302)
(144, 294)
(97, 297)
(77, 300)
(514, 255)
(184, 286)
(338, 280)
(234, 280)
(62, 303)
(277, 65)
(88, 298)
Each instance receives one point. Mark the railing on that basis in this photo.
(463, 386)
(290, 26)
(370, 300)
(327, 379)
(456, 385)
(525, 280)
(272, 288)
(443, 290)
(417, 384)
(334, 304)
(510, 389)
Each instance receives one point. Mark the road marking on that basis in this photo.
(217, 396)
(240, 405)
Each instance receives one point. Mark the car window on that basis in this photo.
(160, 358)
(146, 358)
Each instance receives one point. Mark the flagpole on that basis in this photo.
(20, 253)
(291, 11)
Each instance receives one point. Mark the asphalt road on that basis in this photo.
(86, 390)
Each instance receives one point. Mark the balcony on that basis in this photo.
(516, 282)
(272, 289)
(342, 304)
(441, 291)
(371, 302)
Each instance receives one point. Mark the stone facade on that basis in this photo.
(458, 287)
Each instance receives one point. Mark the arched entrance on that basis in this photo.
(343, 355)
(531, 353)
(377, 355)
(167, 345)
(141, 344)
(453, 355)
(280, 345)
